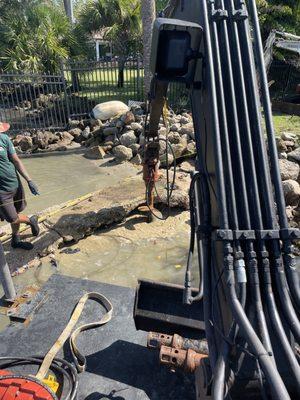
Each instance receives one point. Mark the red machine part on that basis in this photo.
(18, 387)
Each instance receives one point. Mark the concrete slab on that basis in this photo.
(119, 366)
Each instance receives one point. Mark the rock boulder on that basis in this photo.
(294, 155)
(109, 109)
(289, 170)
(188, 129)
(122, 153)
(95, 153)
(291, 192)
(128, 138)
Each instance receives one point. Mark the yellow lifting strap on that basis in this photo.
(79, 359)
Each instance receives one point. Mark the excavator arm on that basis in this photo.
(250, 304)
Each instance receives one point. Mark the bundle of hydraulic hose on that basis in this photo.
(250, 281)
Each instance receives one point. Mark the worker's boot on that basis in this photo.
(34, 224)
(17, 243)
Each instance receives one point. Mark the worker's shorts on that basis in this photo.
(11, 204)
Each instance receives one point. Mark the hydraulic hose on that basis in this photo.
(284, 295)
(292, 274)
(195, 226)
(63, 367)
(278, 327)
(218, 387)
(277, 387)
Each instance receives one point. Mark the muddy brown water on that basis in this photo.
(120, 256)
(115, 259)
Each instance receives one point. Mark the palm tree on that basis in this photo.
(121, 20)
(148, 16)
(35, 38)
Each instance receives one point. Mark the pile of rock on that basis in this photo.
(44, 141)
(122, 135)
(116, 130)
(289, 162)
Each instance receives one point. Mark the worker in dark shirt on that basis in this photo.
(12, 196)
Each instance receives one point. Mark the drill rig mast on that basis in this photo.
(250, 283)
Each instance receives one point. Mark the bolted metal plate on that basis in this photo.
(24, 306)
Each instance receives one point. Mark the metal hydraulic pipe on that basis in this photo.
(5, 278)
(206, 276)
(256, 121)
(221, 195)
(269, 204)
(283, 289)
(273, 313)
(288, 258)
(221, 198)
(219, 373)
(254, 196)
(268, 115)
(292, 275)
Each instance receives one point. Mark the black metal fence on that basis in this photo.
(284, 79)
(29, 101)
(32, 101)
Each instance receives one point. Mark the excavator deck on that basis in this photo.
(119, 366)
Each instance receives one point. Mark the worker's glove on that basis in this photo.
(33, 188)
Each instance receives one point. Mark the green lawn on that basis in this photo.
(101, 85)
(285, 122)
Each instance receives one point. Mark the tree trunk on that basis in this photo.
(68, 4)
(148, 17)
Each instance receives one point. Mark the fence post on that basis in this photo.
(138, 86)
(5, 277)
(65, 91)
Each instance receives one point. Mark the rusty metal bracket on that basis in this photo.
(25, 304)
(188, 360)
(156, 340)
